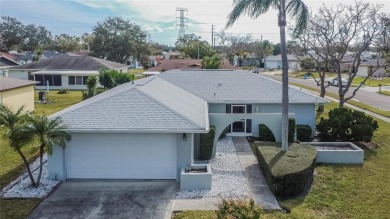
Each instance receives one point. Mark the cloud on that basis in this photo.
(153, 29)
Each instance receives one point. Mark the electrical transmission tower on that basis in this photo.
(181, 20)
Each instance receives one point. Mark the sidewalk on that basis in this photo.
(257, 183)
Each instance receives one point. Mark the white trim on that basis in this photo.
(231, 125)
(137, 130)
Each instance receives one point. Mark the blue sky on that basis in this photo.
(157, 17)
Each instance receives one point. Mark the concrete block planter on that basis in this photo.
(195, 179)
(338, 152)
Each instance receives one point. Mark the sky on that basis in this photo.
(157, 17)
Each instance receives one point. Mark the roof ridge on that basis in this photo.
(167, 107)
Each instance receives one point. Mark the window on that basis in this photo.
(78, 80)
(52, 80)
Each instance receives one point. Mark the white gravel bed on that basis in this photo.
(228, 178)
(21, 186)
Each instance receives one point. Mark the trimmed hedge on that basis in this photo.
(265, 134)
(287, 173)
(206, 144)
(304, 132)
(224, 132)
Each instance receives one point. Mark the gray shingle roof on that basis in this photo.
(71, 63)
(234, 86)
(139, 107)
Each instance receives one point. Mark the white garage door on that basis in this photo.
(121, 156)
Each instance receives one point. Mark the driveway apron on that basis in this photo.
(108, 199)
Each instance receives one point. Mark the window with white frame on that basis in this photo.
(78, 80)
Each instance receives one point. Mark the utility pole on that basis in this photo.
(181, 23)
(261, 38)
(212, 35)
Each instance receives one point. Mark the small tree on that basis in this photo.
(91, 85)
(48, 133)
(347, 125)
(212, 62)
(13, 124)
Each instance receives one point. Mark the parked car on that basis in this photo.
(335, 82)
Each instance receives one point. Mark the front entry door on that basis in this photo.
(239, 126)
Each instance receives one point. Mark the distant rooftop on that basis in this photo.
(82, 63)
(11, 83)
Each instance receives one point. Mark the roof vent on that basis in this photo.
(215, 93)
(220, 83)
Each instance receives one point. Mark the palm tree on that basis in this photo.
(48, 132)
(297, 10)
(13, 122)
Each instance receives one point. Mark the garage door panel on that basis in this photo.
(136, 156)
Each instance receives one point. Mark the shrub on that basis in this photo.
(245, 209)
(304, 132)
(287, 173)
(63, 91)
(345, 124)
(291, 130)
(113, 78)
(265, 134)
(224, 132)
(206, 144)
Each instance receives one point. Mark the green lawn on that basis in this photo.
(372, 82)
(352, 102)
(385, 93)
(301, 74)
(135, 70)
(342, 191)
(11, 165)
(58, 101)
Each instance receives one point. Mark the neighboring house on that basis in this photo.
(70, 72)
(6, 61)
(15, 93)
(150, 128)
(173, 55)
(368, 65)
(170, 64)
(27, 57)
(275, 62)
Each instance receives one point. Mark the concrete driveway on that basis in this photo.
(105, 199)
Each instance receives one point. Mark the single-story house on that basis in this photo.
(150, 128)
(275, 62)
(368, 65)
(170, 64)
(70, 72)
(15, 93)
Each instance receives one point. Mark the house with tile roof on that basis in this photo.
(150, 128)
(70, 72)
(170, 64)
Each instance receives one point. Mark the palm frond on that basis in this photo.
(299, 11)
(252, 8)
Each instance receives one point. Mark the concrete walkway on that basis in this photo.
(257, 183)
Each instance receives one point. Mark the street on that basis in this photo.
(366, 95)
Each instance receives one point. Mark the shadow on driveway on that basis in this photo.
(109, 199)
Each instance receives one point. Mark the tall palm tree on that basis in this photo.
(48, 132)
(298, 11)
(12, 122)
